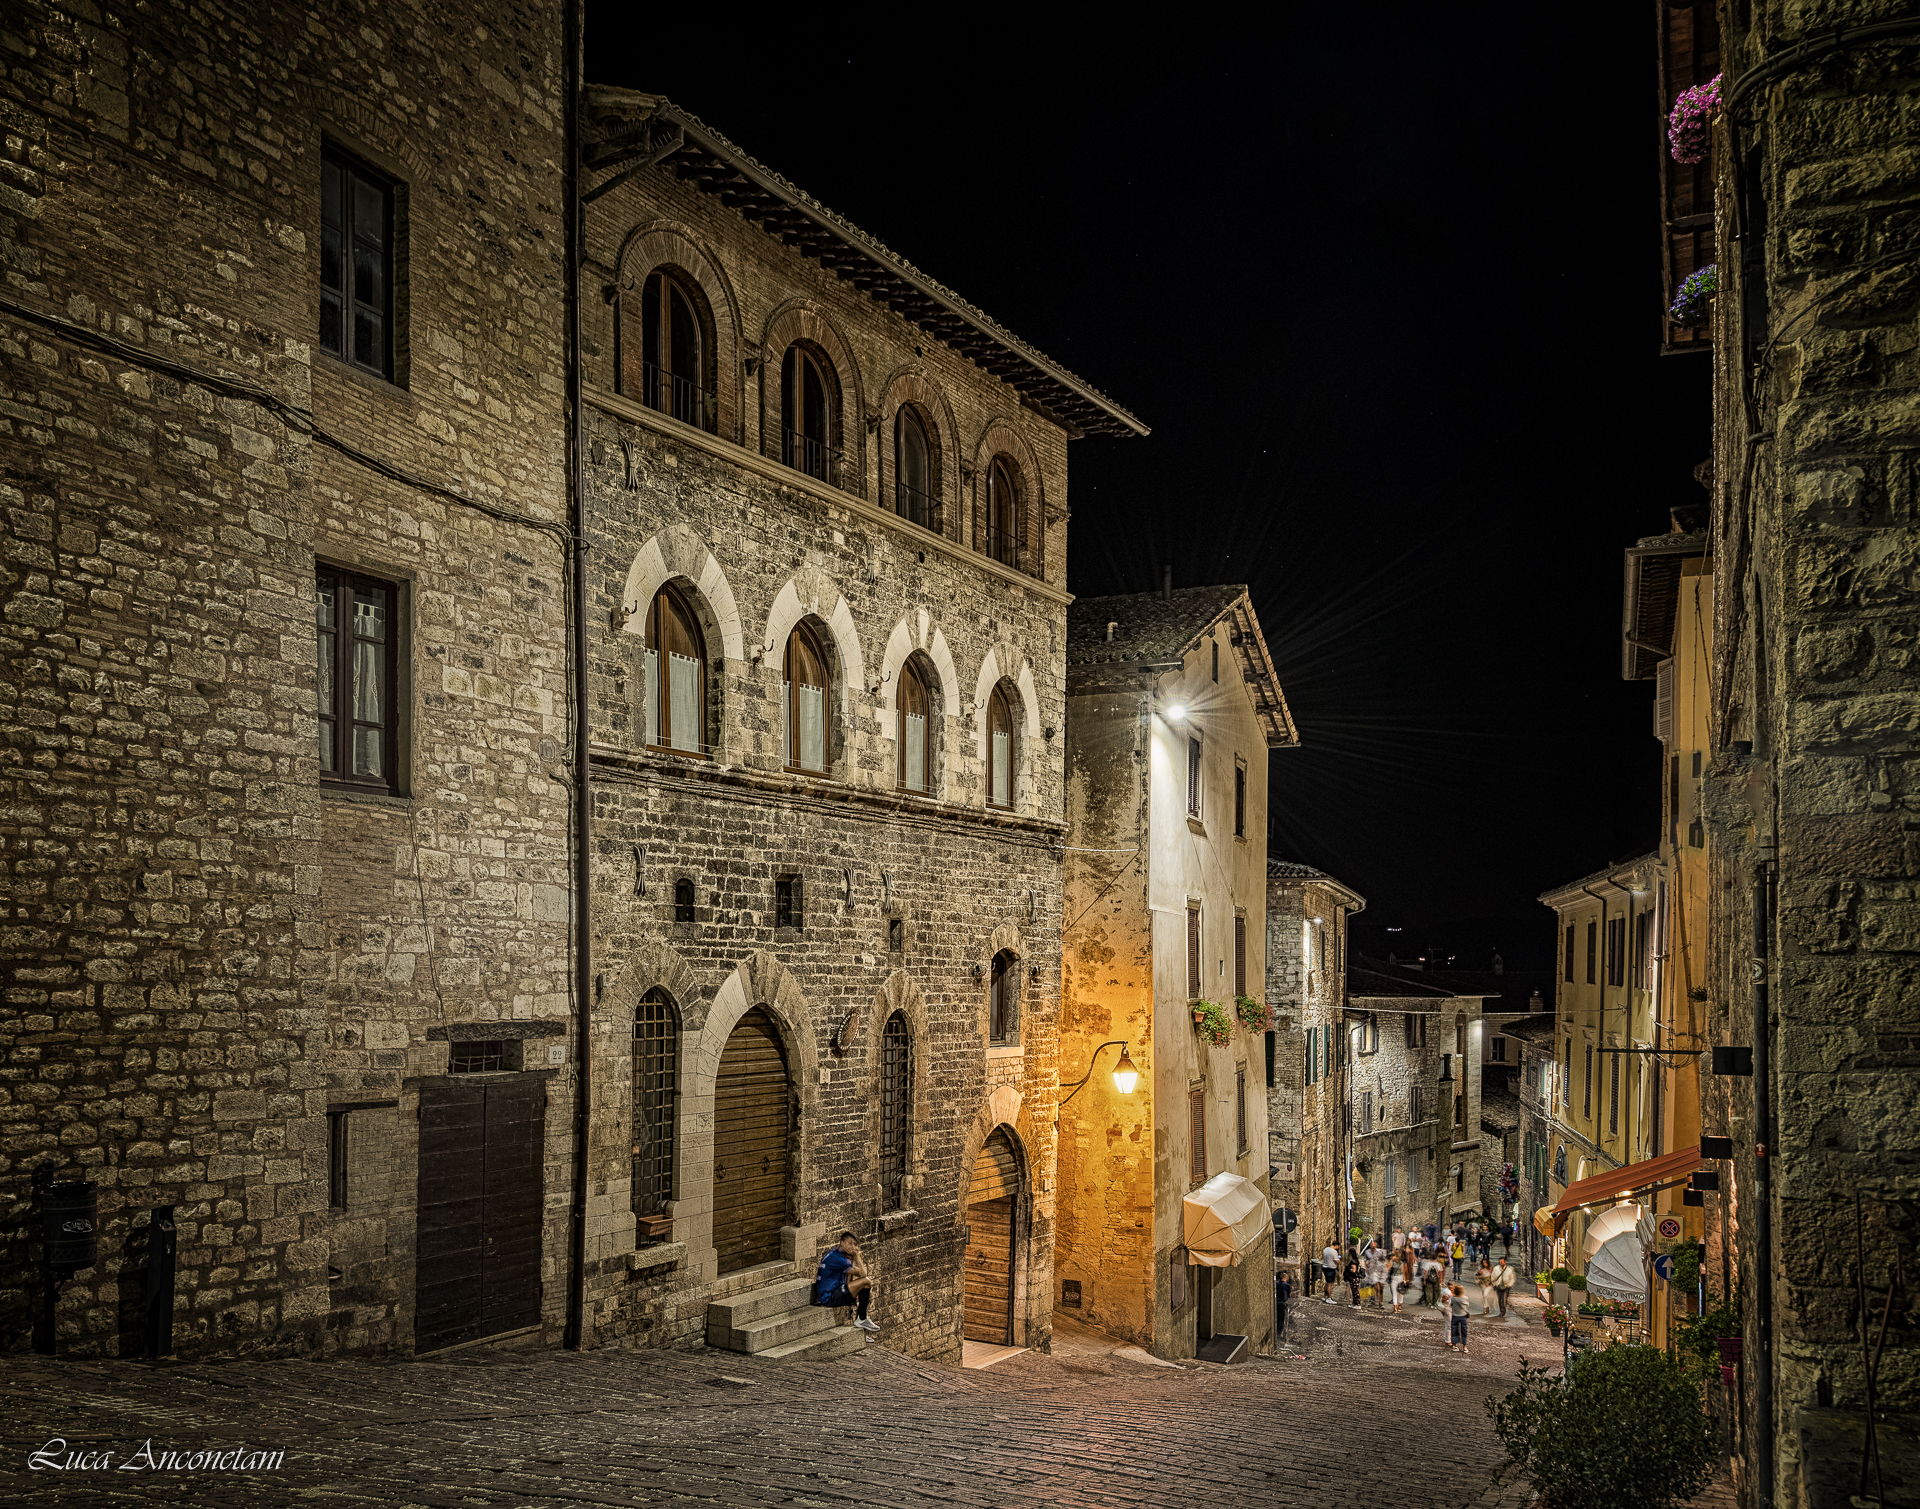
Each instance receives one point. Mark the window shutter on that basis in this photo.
(1239, 956)
(1689, 55)
(1197, 1135)
(1663, 703)
(1193, 953)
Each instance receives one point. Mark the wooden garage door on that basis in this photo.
(477, 1265)
(991, 1202)
(750, 1123)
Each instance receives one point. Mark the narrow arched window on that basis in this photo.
(808, 706)
(896, 1109)
(683, 900)
(1002, 510)
(912, 487)
(1003, 999)
(675, 681)
(916, 731)
(656, 1083)
(999, 750)
(805, 399)
(670, 345)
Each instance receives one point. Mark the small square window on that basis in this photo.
(477, 1056)
(788, 903)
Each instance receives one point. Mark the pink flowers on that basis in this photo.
(1689, 126)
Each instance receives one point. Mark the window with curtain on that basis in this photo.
(1003, 507)
(674, 682)
(808, 702)
(672, 369)
(357, 673)
(896, 1106)
(656, 1062)
(806, 396)
(916, 731)
(912, 470)
(999, 750)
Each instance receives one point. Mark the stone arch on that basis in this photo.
(359, 127)
(811, 593)
(1001, 437)
(911, 386)
(676, 554)
(673, 245)
(803, 320)
(999, 666)
(908, 638)
(901, 993)
(1006, 1108)
(1004, 939)
(653, 965)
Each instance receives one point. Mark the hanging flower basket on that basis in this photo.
(1690, 123)
(1255, 1016)
(1693, 305)
(1210, 1019)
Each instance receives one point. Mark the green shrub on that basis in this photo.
(1577, 1282)
(1626, 1431)
(1696, 1340)
(1686, 1266)
(1561, 1275)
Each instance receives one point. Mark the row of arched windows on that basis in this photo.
(677, 375)
(674, 697)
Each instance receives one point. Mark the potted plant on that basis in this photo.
(1255, 1016)
(1556, 1320)
(654, 1228)
(1561, 1292)
(1690, 122)
(1693, 304)
(1577, 1283)
(1211, 1020)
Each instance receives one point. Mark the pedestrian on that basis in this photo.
(1488, 1300)
(1399, 1275)
(1282, 1292)
(1399, 1239)
(1354, 1273)
(842, 1280)
(1430, 1281)
(1504, 1278)
(1459, 1255)
(1377, 1276)
(1330, 1266)
(1458, 1331)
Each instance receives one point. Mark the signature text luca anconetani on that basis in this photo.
(56, 1457)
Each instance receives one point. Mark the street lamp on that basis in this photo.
(1125, 1075)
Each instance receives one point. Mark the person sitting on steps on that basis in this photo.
(843, 1280)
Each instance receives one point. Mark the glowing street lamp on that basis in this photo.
(1125, 1075)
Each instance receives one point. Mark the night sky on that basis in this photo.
(1388, 295)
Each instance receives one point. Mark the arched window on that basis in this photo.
(1002, 510)
(675, 683)
(808, 705)
(916, 731)
(1003, 999)
(670, 345)
(999, 750)
(896, 1109)
(656, 1084)
(911, 470)
(683, 900)
(806, 396)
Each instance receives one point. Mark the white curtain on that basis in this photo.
(1002, 770)
(684, 671)
(916, 734)
(813, 727)
(650, 695)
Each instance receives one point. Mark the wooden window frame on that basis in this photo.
(1593, 953)
(1193, 775)
(338, 720)
(1239, 955)
(1240, 1109)
(655, 1092)
(339, 304)
(1569, 966)
(1000, 711)
(666, 600)
(1003, 514)
(813, 457)
(1003, 998)
(812, 642)
(662, 388)
(909, 669)
(896, 1109)
(902, 501)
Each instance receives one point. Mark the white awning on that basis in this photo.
(1224, 1217)
(1618, 1269)
(1608, 1225)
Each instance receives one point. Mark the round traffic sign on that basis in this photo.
(1669, 1228)
(1663, 1266)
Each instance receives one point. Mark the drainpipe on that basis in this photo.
(1763, 1185)
(582, 839)
(1601, 976)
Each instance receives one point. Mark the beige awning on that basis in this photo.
(1224, 1217)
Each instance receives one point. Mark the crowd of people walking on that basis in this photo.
(1384, 1270)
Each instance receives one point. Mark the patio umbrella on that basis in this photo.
(1618, 1270)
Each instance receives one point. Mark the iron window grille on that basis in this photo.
(673, 354)
(789, 902)
(477, 1056)
(356, 263)
(656, 1088)
(806, 414)
(356, 679)
(896, 1085)
(1239, 956)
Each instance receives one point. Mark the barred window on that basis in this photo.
(477, 1056)
(656, 1062)
(896, 1105)
(1003, 999)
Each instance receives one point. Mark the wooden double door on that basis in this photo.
(752, 1131)
(993, 1207)
(477, 1255)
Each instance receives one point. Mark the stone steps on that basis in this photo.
(835, 1341)
(777, 1321)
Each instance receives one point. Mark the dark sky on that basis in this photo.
(1387, 291)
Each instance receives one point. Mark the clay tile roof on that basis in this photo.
(1375, 985)
(636, 129)
(1533, 1029)
(1291, 871)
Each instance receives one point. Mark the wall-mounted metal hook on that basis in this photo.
(639, 869)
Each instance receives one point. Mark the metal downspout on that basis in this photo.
(582, 808)
(1763, 1189)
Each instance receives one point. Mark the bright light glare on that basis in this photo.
(1125, 1076)
(1176, 712)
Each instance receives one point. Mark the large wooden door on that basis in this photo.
(992, 1201)
(477, 1255)
(750, 1127)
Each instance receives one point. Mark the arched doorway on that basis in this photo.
(751, 1122)
(993, 1206)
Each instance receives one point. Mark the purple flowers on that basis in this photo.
(1690, 306)
(1689, 126)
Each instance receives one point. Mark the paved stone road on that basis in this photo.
(1377, 1404)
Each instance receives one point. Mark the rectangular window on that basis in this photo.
(1193, 777)
(337, 1159)
(1413, 1035)
(1239, 956)
(1197, 1136)
(1642, 949)
(477, 1056)
(1414, 1097)
(1593, 952)
(1193, 953)
(1613, 1093)
(1459, 1178)
(1240, 1109)
(896, 1099)
(1239, 800)
(1566, 1080)
(1390, 1183)
(356, 679)
(1460, 1111)
(1413, 1175)
(789, 903)
(1366, 1112)
(1616, 950)
(1499, 1050)
(1270, 1037)
(1569, 959)
(1373, 1032)
(1586, 1097)
(356, 263)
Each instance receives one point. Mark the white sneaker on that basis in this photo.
(868, 1326)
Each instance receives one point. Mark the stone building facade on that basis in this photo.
(1173, 706)
(243, 935)
(827, 506)
(1812, 789)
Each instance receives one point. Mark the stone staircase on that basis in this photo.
(777, 1321)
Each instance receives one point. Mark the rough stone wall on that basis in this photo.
(1319, 1190)
(204, 949)
(1814, 648)
(757, 549)
(1390, 1073)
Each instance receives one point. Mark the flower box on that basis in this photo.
(653, 1228)
(1213, 1023)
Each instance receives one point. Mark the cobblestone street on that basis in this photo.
(1364, 1402)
